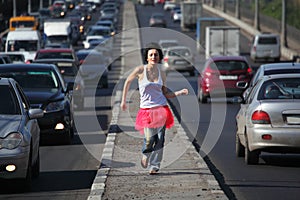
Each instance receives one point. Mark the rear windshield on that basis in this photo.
(283, 88)
(267, 40)
(229, 65)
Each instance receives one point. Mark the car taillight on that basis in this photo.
(166, 59)
(254, 48)
(249, 70)
(260, 117)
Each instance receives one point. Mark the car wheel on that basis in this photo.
(239, 148)
(201, 97)
(251, 157)
(25, 183)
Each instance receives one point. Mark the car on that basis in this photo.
(94, 70)
(14, 57)
(5, 59)
(93, 38)
(169, 5)
(265, 46)
(166, 43)
(45, 88)
(147, 2)
(103, 31)
(268, 120)
(20, 135)
(157, 19)
(107, 23)
(69, 69)
(178, 58)
(224, 76)
(56, 53)
(272, 68)
(177, 15)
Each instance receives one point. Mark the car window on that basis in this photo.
(284, 88)
(9, 103)
(59, 55)
(180, 52)
(25, 102)
(267, 40)
(230, 65)
(34, 79)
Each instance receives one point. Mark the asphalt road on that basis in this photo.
(212, 128)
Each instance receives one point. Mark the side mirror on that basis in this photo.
(35, 113)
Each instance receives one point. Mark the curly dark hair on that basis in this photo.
(150, 46)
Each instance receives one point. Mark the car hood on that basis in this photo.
(8, 124)
(39, 98)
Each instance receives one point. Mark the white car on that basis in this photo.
(89, 39)
(169, 5)
(177, 15)
(266, 46)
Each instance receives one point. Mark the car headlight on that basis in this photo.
(11, 141)
(55, 106)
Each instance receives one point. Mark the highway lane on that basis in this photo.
(68, 171)
(213, 130)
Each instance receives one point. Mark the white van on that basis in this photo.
(265, 46)
(26, 41)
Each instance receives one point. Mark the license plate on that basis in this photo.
(180, 62)
(222, 77)
(293, 119)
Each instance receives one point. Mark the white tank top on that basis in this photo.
(151, 92)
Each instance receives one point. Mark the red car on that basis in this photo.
(223, 76)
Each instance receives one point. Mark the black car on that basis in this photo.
(45, 88)
(70, 71)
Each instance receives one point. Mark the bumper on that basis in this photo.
(18, 157)
(50, 123)
(284, 140)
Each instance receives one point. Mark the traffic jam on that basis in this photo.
(48, 61)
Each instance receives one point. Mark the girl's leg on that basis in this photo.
(157, 152)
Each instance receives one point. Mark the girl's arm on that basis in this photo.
(127, 84)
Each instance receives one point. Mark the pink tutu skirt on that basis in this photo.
(154, 118)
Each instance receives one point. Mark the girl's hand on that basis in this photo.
(184, 92)
(123, 106)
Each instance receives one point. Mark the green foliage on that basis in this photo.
(273, 8)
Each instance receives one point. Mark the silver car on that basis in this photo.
(269, 119)
(270, 69)
(19, 135)
(178, 58)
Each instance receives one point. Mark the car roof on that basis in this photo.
(276, 76)
(99, 27)
(5, 81)
(177, 47)
(226, 58)
(55, 50)
(25, 67)
(280, 68)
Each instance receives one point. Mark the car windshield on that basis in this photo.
(180, 52)
(22, 45)
(267, 40)
(284, 88)
(9, 102)
(34, 80)
(229, 65)
(59, 55)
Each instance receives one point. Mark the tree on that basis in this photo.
(283, 25)
(256, 16)
(237, 9)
